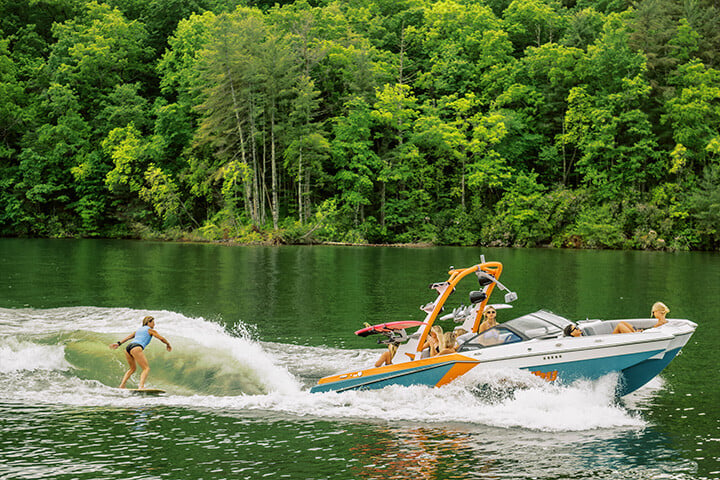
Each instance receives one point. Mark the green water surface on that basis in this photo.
(317, 296)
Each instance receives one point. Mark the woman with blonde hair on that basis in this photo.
(659, 310)
(134, 352)
(447, 343)
(387, 355)
(433, 340)
(489, 319)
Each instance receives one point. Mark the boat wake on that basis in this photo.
(61, 356)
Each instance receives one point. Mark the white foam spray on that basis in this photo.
(32, 371)
(17, 355)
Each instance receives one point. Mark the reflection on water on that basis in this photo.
(187, 443)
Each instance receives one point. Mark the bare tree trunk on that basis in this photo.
(382, 205)
(263, 185)
(243, 160)
(273, 168)
(306, 196)
(256, 198)
(401, 79)
(300, 185)
(462, 185)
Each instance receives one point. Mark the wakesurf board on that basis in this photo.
(387, 327)
(145, 391)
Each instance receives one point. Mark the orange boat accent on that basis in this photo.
(549, 376)
(413, 369)
(493, 268)
(458, 370)
(462, 365)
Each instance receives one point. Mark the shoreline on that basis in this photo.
(276, 242)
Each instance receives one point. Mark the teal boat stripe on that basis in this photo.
(403, 373)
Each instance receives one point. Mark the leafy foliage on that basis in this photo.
(506, 122)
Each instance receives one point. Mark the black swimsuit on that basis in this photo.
(133, 345)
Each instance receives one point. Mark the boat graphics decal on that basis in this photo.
(432, 372)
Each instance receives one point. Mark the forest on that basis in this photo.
(563, 123)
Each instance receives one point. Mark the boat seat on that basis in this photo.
(607, 327)
(600, 328)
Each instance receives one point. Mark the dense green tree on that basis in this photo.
(393, 117)
(43, 186)
(13, 111)
(355, 162)
(615, 137)
(535, 106)
(571, 123)
(521, 219)
(461, 44)
(583, 28)
(695, 115)
(97, 51)
(533, 22)
(232, 107)
(489, 174)
(161, 18)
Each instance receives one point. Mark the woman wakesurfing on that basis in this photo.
(134, 352)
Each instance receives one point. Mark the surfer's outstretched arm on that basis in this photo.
(155, 334)
(120, 342)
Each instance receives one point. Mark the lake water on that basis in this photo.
(253, 328)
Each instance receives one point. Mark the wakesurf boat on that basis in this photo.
(534, 342)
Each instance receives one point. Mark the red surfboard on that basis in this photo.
(386, 327)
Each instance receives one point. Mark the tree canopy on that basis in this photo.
(589, 123)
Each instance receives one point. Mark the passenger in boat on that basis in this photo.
(433, 340)
(447, 343)
(573, 331)
(387, 355)
(489, 319)
(458, 332)
(624, 327)
(659, 310)
(134, 352)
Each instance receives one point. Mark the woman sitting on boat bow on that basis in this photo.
(659, 311)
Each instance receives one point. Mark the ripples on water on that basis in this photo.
(62, 418)
(190, 443)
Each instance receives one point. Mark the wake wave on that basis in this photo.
(16, 355)
(62, 356)
(205, 358)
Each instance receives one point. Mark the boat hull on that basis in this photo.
(638, 375)
(636, 357)
(431, 372)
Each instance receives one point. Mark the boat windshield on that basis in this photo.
(541, 324)
(538, 324)
(494, 336)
